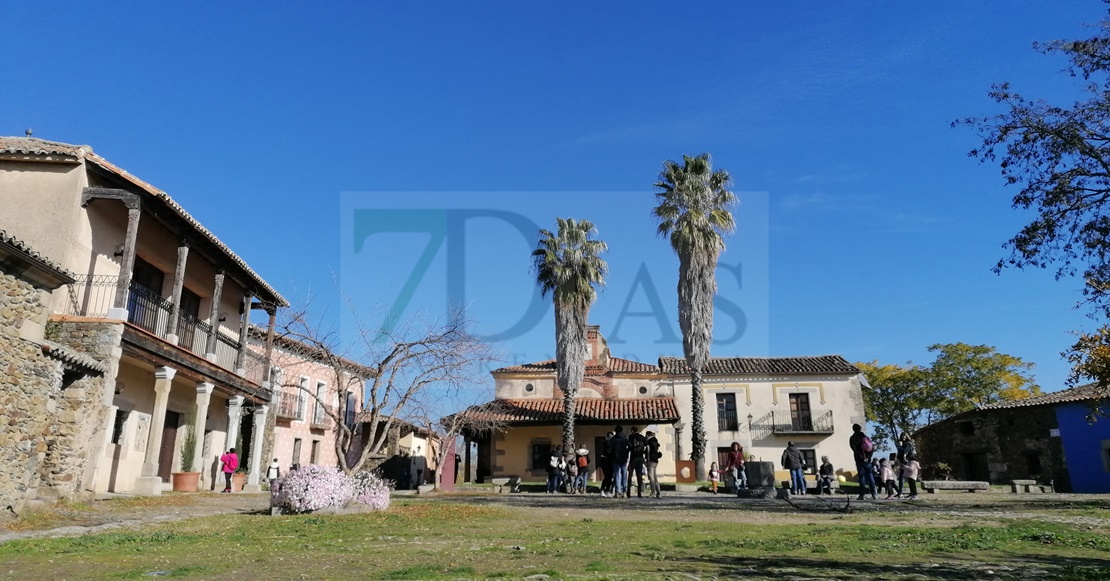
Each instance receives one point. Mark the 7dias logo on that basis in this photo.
(488, 252)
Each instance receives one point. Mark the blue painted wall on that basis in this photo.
(1083, 448)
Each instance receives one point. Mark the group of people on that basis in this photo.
(620, 458)
(892, 473)
(735, 468)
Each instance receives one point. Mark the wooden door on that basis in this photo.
(169, 439)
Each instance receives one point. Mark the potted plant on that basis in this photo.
(239, 479)
(187, 480)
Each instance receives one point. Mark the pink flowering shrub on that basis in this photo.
(313, 487)
(371, 490)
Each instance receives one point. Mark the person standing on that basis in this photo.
(913, 470)
(887, 476)
(654, 455)
(618, 448)
(793, 461)
(605, 459)
(273, 472)
(582, 459)
(637, 457)
(736, 468)
(230, 463)
(862, 450)
(905, 448)
(554, 469)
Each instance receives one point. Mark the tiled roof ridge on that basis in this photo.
(1085, 392)
(24, 248)
(615, 365)
(37, 146)
(73, 358)
(803, 364)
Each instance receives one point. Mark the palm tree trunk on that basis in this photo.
(697, 426)
(568, 421)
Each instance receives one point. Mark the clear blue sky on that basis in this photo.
(880, 231)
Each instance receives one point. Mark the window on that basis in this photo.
(541, 454)
(302, 395)
(119, 426)
(800, 418)
(350, 411)
(318, 409)
(810, 457)
(726, 412)
(529, 388)
(643, 390)
(314, 454)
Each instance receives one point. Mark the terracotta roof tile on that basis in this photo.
(823, 364)
(1088, 392)
(74, 360)
(587, 410)
(22, 247)
(36, 146)
(616, 365)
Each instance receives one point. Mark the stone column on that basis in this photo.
(214, 317)
(149, 482)
(269, 355)
(256, 450)
(127, 264)
(678, 427)
(234, 412)
(200, 415)
(175, 299)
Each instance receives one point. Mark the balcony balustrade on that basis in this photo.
(290, 406)
(801, 423)
(727, 421)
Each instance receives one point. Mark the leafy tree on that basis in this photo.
(1090, 360)
(964, 377)
(695, 212)
(1060, 158)
(568, 265)
(897, 401)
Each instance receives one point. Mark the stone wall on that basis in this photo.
(47, 429)
(997, 445)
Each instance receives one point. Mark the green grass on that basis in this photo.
(429, 539)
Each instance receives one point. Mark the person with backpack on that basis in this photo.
(555, 467)
(619, 451)
(582, 459)
(637, 458)
(570, 473)
(230, 463)
(862, 450)
(654, 455)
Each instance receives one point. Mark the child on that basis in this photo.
(913, 468)
(714, 476)
(824, 483)
(572, 474)
(886, 473)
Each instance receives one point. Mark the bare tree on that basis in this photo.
(394, 369)
(455, 426)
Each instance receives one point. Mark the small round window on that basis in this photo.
(643, 389)
(529, 388)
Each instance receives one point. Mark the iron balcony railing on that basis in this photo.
(802, 422)
(92, 296)
(290, 405)
(322, 416)
(727, 421)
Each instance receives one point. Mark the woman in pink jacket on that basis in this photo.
(230, 463)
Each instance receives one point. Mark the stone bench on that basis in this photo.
(932, 486)
(506, 484)
(1028, 487)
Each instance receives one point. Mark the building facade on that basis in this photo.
(155, 299)
(760, 403)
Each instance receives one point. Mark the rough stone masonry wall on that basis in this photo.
(83, 407)
(28, 382)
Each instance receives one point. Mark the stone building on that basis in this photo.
(761, 403)
(1044, 438)
(45, 385)
(158, 306)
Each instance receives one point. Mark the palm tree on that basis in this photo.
(569, 266)
(695, 212)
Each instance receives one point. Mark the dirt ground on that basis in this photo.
(1091, 511)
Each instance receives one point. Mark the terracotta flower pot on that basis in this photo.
(238, 480)
(185, 481)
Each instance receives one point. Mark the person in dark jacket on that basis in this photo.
(864, 471)
(653, 463)
(793, 461)
(605, 462)
(637, 458)
(618, 450)
(905, 448)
